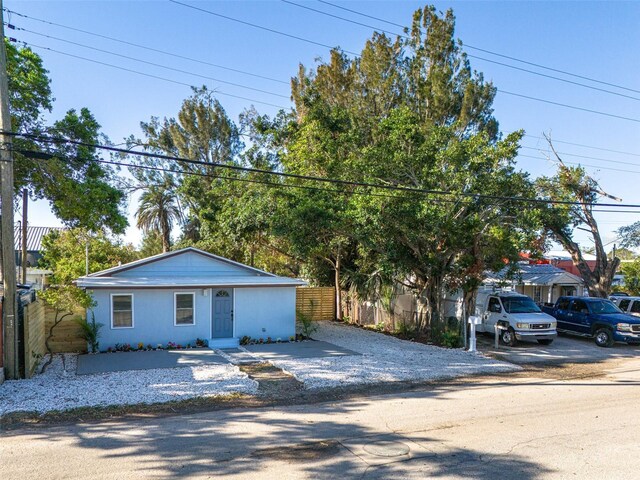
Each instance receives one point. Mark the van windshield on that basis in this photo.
(603, 307)
(519, 305)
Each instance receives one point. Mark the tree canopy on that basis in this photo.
(81, 191)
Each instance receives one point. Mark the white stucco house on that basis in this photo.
(187, 294)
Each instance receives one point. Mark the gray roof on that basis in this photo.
(187, 282)
(528, 274)
(109, 278)
(34, 236)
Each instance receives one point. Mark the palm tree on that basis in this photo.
(157, 211)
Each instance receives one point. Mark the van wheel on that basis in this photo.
(508, 337)
(545, 341)
(603, 337)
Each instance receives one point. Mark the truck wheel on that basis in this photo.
(545, 341)
(603, 337)
(508, 337)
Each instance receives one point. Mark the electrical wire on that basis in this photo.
(150, 75)
(468, 55)
(506, 92)
(146, 47)
(515, 59)
(39, 155)
(48, 139)
(146, 62)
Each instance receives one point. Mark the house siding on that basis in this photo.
(153, 314)
(272, 309)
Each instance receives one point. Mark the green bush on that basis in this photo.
(308, 326)
(91, 332)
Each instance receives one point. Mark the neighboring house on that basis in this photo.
(187, 294)
(563, 260)
(542, 282)
(35, 275)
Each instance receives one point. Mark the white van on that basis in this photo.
(521, 317)
(630, 305)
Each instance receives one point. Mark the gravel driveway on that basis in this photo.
(61, 389)
(384, 359)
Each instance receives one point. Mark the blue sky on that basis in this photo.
(593, 39)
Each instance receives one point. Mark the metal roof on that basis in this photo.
(162, 256)
(106, 278)
(34, 236)
(187, 282)
(529, 274)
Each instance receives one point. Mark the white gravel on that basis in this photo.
(61, 389)
(384, 359)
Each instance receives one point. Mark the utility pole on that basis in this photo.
(6, 225)
(25, 205)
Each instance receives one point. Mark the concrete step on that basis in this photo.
(215, 343)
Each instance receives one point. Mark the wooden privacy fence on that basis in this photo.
(67, 336)
(317, 302)
(34, 336)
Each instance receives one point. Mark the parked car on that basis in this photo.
(519, 316)
(630, 305)
(597, 318)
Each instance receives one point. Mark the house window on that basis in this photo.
(184, 311)
(122, 311)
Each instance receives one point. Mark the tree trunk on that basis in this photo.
(338, 288)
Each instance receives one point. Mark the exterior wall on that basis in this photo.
(153, 318)
(187, 264)
(265, 312)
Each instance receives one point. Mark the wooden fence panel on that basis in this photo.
(317, 302)
(34, 335)
(67, 336)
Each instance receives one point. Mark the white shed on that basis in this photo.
(188, 294)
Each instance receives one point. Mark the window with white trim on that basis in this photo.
(184, 309)
(121, 311)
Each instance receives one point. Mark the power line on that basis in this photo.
(151, 63)
(584, 146)
(550, 102)
(552, 77)
(48, 139)
(580, 164)
(146, 47)
(150, 75)
(39, 155)
(260, 27)
(633, 164)
(568, 106)
(515, 59)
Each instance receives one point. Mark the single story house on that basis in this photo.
(542, 282)
(187, 294)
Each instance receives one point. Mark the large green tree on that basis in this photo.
(411, 113)
(82, 192)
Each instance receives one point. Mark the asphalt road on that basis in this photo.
(501, 428)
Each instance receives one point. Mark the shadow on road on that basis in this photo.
(240, 442)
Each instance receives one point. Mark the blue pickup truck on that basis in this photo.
(596, 318)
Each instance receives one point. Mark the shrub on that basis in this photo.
(308, 326)
(201, 343)
(140, 345)
(406, 330)
(292, 338)
(245, 340)
(91, 332)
